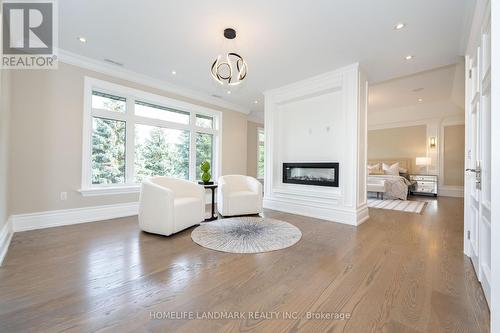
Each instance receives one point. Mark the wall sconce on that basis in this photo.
(432, 142)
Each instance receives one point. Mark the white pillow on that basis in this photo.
(391, 169)
(374, 168)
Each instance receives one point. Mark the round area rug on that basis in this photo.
(246, 234)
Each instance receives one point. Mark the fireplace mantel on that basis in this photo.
(318, 120)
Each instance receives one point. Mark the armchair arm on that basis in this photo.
(190, 189)
(183, 188)
(156, 206)
(254, 185)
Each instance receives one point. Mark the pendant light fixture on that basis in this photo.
(229, 68)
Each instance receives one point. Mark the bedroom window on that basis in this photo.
(130, 135)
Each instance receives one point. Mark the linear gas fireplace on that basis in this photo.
(320, 174)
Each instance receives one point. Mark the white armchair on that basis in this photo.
(239, 195)
(168, 205)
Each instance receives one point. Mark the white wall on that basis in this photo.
(4, 143)
(309, 123)
(5, 229)
(321, 119)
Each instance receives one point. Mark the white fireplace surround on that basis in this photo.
(320, 119)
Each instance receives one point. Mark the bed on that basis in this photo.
(397, 185)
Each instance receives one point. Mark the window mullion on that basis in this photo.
(112, 115)
(205, 130)
(160, 123)
(130, 142)
(192, 147)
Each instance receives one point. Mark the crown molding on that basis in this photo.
(125, 74)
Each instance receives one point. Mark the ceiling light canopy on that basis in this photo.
(409, 57)
(399, 26)
(229, 68)
(82, 39)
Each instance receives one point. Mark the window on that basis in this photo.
(260, 153)
(148, 110)
(130, 135)
(204, 121)
(204, 151)
(108, 151)
(161, 151)
(102, 101)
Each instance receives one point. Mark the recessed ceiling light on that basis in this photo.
(174, 72)
(420, 100)
(82, 39)
(229, 92)
(399, 26)
(255, 102)
(409, 57)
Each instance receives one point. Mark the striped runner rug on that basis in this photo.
(400, 205)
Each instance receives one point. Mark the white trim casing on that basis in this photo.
(109, 190)
(64, 217)
(259, 130)
(56, 218)
(448, 190)
(131, 95)
(5, 238)
(495, 167)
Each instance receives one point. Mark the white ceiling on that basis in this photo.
(282, 41)
(429, 86)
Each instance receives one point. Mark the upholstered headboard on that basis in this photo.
(406, 163)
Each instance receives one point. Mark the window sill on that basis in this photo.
(111, 190)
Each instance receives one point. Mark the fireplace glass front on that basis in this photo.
(319, 174)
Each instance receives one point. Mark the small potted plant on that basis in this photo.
(205, 173)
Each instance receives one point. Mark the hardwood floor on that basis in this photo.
(398, 272)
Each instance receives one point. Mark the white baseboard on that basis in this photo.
(56, 218)
(329, 214)
(451, 191)
(5, 238)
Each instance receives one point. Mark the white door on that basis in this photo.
(478, 159)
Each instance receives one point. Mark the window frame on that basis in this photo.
(259, 131)
(131, 119)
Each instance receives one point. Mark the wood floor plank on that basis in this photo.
(398, 272)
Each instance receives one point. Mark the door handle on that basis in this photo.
(477, 171)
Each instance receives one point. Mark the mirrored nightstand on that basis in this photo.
(424, 184)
